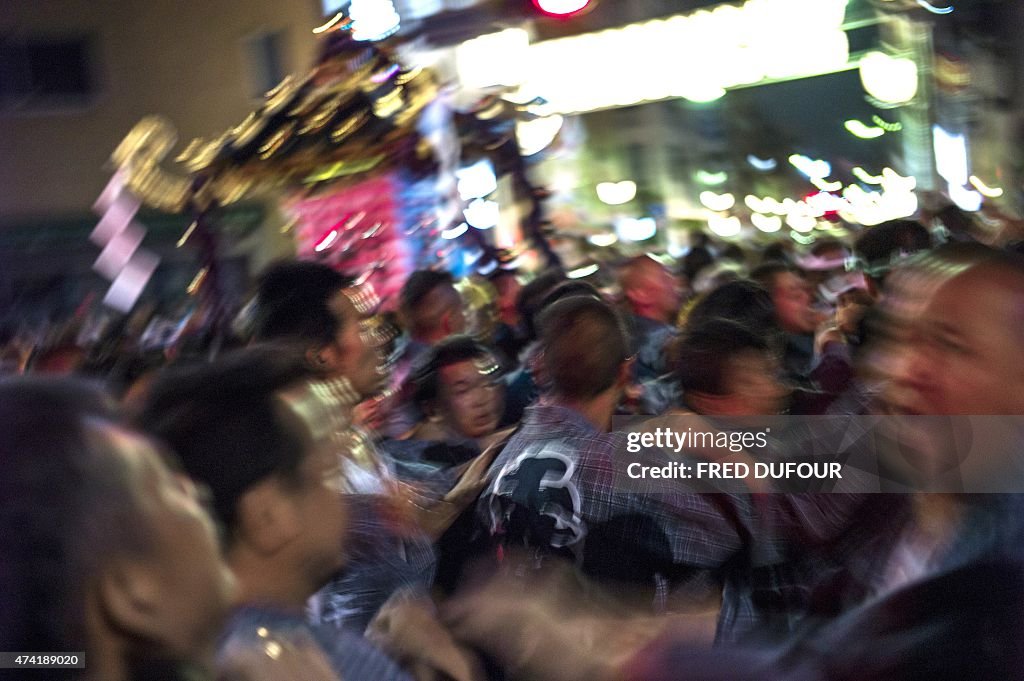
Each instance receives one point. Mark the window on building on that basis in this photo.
(46, 73)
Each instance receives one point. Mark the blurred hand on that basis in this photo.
(828, 333)
(473, 480)
(410, 632)
(560, 629)
(369, 414)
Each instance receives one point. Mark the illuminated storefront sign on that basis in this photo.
(696, 56)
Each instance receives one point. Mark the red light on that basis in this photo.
(561, 8)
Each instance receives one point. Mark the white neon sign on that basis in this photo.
(732, 44)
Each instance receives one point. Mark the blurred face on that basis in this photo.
(471, 398)
(666, 293)
(352, 356)
(753, 386)
(454, 318)
(508, 290)
(792, 301)
(322, 513)
(960, 351)
(193, 585)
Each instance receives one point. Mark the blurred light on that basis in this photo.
(331, 23)
(119, 250)
(755, 204)
(126, 289)
(724, 226)
(535, 136)
(762, 39)
(801, 223)
(197, 281)
(764, 165)
(493, 59)
(899, 204)
(864, 132)
(987, 191)
(711, 179)
(635, 229)
(603, 240)
(811, 168)
(117, 216)
(678, 249)
(582, 272)
(950, 156)
(702, 93)
(865, 177)
(893, 181)
(485, 270)
(616, 193)
(187, 234)
(560, 8)
(326, 242)
(892, 80)
(111, 192)
(766, 223)
(827, 186)
(801, 239)
(373, 19)
(717, 202)
(482, 214)
(885, 125)
(385, 74)
(965, 199)
(773, 206)
(896, 200)
(933, 9)
(476, 181)
(455, 232)
(824, 202)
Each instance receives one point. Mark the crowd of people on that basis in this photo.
(435, 492)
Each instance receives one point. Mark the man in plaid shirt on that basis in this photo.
(559, 487)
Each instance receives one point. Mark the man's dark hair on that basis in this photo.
(697, 259)
(585, 344)
(879, 244)
(65, 507)
(568, 289)
(292, 302)
(227, 424)
(704, 352)
(744, 302)
(735, 253)
(426, 376)
(419, 304)
(775, 252)
(822, 246)
(528, 302)
(766, 273)
(958, 221)
(420, 285)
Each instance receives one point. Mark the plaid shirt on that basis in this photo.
(767, 552)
